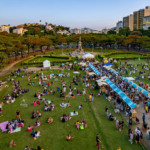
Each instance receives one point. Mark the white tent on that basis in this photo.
(46, 64)
(91, 73)
(88, 55)
(101, 81)
(107, 67)
(130, 78)
(83, 64)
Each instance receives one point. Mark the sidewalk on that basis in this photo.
(140, 110)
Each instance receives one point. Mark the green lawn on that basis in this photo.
(139, 67)
(53, 136)
(41, 59)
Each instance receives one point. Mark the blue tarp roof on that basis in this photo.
(125, 98)
(107, 64)
(146, 93)
(94, 69)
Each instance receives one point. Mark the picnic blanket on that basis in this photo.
(3, 126)
(74, 114)
(16, 130)
(64, 105)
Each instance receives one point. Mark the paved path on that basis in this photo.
(140, 110)
(8, 69)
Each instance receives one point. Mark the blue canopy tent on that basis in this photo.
(146, 93)
(108, 64)
(125, 98)
(94, 69)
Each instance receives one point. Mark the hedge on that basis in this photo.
(28, 61)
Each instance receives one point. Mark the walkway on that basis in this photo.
(8, 69)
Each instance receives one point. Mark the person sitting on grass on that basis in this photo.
(34, 103)
(65, 118)
(27, 148)
(81, 125)
(39, 114)
(35, 134)
(18, 114)
(49, 120)
(37, 123)
(12, 144)
(110, 117)
(33, 115)
(68, 137)
(80, 106)
(30, 128)
(75, 112)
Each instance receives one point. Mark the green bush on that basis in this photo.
(29, 61)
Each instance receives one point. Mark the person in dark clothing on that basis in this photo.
(97, 141)
(143, 117)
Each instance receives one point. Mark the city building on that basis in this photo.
(63, 32)
(5, 28)
(119, 25)
(105, 31)
(95, 32)
(146, 23)
(114, 28)
(20, 31)
(75, 30)
(86, 30)
(32, 24)
(131, 22)
(128, 22)
(48, 26)
(138, 17)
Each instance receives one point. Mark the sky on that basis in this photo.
(95, 14)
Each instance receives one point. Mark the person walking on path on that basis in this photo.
(143, 117)
(97, 141)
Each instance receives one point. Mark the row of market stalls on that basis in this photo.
(128, 79)
(104, 81)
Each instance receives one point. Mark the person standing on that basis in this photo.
(131, 136)
(97, 141)
(143, 117)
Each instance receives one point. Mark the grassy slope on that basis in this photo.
(53, 136)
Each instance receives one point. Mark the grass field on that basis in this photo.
(53, 135)
(139, 67)
(41, 59)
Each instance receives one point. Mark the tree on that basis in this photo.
(44, 41)
(37, 30)
(18, 47)
(28, 42)
(144, 42)
(124, 31)
(4, 33)
(35, 41)
(132, 40)
(111, 32)
(60, 40)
